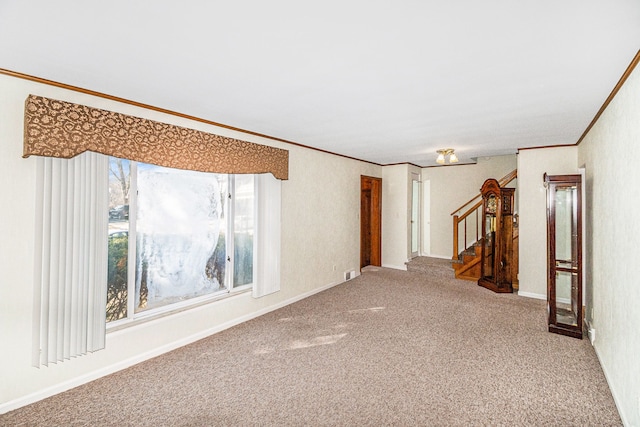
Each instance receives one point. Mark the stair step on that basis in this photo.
(429, 264)
(469, 269)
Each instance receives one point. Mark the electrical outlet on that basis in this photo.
(335, 267)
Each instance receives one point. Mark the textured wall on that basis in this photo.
(610, 155)
(394, 216)
(532, 198)
(451, 186)
(320, 230)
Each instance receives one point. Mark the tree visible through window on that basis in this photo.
(178, 232)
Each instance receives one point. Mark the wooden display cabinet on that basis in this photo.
(564, 254)
(497, 237)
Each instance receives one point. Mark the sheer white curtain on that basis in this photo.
(269, 191)
(70, 257)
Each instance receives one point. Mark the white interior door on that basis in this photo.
(415, 216)
(426, 217)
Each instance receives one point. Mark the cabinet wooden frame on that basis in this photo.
(564, 317)
(497, 237)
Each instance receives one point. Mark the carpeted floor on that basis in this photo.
(387, 348)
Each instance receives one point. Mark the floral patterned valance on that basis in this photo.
(55, 128)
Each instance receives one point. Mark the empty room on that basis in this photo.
(364, 213)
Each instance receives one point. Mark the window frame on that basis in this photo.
(132, 317)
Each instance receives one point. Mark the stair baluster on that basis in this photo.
(466, 261)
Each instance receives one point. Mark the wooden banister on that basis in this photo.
(462, 218)
(508, 178)
(502, 181)
(455, 237)
(469, 211)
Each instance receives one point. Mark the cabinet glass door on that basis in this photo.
(564, 226)
(566, 262)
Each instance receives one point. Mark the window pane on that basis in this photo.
(566, 312)
(180, 235)
(565, 236)
(243, 230)
(119, 181)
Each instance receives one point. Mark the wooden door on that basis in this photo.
(370, 221)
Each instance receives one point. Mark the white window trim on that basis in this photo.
(266, 278)
(266, 252)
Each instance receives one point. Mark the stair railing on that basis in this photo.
(468, 222)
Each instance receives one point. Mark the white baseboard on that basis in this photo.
(396, 267)
(543, 296)
(107, 370)
(591, 331)
(532, 295)
(616, 399)
(439, 256)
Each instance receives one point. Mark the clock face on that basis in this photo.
(492, 204)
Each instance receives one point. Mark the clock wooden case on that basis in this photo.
(497, 237)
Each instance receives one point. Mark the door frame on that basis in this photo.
(425, 226)
(415, 222)
(372, 224)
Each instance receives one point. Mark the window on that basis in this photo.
(168, 244)
(73, 233)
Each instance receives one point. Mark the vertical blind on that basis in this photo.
(71, 257)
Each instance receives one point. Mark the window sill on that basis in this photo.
(142, 318)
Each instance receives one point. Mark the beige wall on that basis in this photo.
(532, 209)
(610, 154)
(396, 214)
(452, 186)
(321, 229)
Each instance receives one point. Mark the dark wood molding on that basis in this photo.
(403, 163)
(545, 146)
(612, 95)
(614, 92)
(165, 111)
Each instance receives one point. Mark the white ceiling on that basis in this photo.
(376, 80)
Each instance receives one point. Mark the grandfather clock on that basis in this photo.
(497, 237)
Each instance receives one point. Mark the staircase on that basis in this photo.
(433, 267)
(467, 229)
(467, 265)
(423, 264)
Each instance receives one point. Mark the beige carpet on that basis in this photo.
(387, 348)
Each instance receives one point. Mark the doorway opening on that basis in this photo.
(415, 215)
(370, 221)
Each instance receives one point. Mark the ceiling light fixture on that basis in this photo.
(446, 152)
